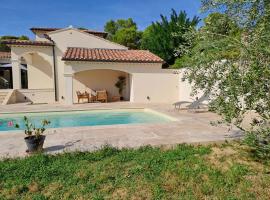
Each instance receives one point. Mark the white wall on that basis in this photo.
(40, 65)
(74, 38)
(40, 73)
(185, 89)
(31, 95)
(40, 36)
(35, 95)
(155, 87)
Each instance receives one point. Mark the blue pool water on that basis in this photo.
(82, 118)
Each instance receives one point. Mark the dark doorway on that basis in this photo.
(24, 77)
(5, 78)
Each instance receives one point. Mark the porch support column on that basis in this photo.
(131, 83)
(16, 73)
(68, 89)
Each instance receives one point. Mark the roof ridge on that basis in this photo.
(145, 50)
(99, 48)
(57, 28)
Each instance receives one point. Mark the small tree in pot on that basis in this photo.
(34, 136)
(120, 84)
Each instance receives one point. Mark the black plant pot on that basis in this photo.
(121, 98)
(34, 144)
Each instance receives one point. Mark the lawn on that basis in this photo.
(184, 172)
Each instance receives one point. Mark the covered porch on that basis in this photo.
(92, 81)
(90, 70)
(91, 78)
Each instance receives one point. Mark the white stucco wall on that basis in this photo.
(32, 96)
(39, 61)
(40, 36)
(35, 95)
(155, 87)
(74, 38)
(40, 73)
(185, 89)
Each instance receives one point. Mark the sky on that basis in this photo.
(18, 16)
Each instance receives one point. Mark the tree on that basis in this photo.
(219, 23)
(231, 64)
(4, 47)
(124, 32)
(165, 37)
(217, 30)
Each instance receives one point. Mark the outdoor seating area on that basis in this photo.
(99, 96)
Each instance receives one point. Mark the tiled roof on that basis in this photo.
(110, 55)
(97, 33)
(5, 55)
(27, 42)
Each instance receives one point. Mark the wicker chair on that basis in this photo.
(84, 95)
(102, 96)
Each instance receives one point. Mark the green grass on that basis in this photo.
(185, 172)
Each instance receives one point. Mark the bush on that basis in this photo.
(259, 141)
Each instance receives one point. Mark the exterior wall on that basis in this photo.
(74, 67)
(35, 96)
(40, 73)
(93, 80)
(185, 89)
(40, 65)
(74, 38)
(40, 36)
(10, 97)
(155, 87)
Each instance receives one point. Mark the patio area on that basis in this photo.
(190, 128)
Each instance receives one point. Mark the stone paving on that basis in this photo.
(190, 128)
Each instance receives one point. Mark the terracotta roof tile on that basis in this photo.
(27, 42)
(5, 55)
(97, 33)
(110, 55)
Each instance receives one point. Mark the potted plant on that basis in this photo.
(120, 84)
(34, 136)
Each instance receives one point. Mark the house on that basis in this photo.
(60, 62)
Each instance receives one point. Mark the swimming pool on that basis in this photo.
(84, 118)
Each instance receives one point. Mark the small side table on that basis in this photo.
(116, 98)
